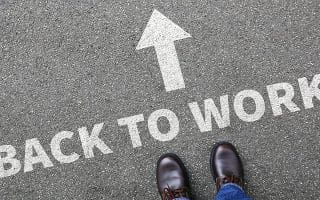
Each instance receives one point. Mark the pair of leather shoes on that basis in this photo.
(172, 176)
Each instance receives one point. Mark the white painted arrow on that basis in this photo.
(161, 33)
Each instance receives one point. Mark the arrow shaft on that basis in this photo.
(169, 66)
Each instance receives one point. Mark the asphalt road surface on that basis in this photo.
(71, 64)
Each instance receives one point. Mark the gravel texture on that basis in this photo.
(69, 64)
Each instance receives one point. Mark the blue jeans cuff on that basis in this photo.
(233, 184)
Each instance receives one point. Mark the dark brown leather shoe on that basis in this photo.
(172, 177)
(226, 165)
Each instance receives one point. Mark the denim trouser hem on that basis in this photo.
(229, 191)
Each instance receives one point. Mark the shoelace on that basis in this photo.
(170, 194)
(228, 179)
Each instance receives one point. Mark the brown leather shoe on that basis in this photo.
(226, 165)
(172, 177)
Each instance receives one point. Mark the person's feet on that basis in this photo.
(172, 178)
(226, 165)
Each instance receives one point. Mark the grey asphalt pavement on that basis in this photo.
(69, 64)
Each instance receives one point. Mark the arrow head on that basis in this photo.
(159, 31)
